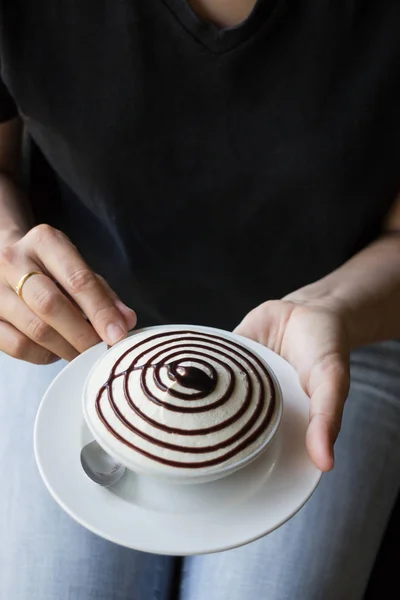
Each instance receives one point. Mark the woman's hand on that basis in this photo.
(313, 339)
(48, 322)
(315, 327)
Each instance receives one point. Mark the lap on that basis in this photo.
(327, 550)
(43, 552)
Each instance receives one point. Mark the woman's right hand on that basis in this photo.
(48, 323)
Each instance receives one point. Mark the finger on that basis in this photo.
(128, 313)
(328, 387)
(16, 344)
(16, 312)
(319, 442)
(46, 300)
(62, 260)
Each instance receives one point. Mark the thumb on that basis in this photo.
(328, 386)
(266, 324)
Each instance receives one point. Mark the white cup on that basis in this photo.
(185, 403)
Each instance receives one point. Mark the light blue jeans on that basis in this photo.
(324, 553)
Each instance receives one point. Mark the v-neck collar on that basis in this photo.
(220, 40)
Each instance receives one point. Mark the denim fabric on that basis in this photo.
(325, 552)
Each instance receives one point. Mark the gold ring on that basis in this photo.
(23, 280)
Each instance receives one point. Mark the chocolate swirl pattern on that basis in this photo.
(185, 399)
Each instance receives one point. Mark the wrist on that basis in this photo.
(364, 293)
(323, 296)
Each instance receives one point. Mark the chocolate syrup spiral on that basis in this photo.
(188, 372)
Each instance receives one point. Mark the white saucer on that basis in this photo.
(152, 516)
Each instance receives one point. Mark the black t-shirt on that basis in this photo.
(204, 171)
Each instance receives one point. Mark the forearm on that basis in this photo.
(15, 217)
(365, 290)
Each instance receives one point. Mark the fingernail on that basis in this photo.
(115, 333)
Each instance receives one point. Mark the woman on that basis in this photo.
(205, 157)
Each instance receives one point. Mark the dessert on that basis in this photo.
(172, 400)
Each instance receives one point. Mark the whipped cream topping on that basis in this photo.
(180, 399)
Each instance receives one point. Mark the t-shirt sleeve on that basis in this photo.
(8, 109)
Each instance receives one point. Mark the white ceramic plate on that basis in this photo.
(153, 516)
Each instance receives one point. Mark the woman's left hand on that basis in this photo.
(313, 339)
